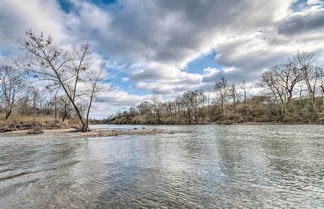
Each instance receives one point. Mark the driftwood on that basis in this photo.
(35, 131)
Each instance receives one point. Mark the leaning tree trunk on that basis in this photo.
(84, 126)
(7, 115)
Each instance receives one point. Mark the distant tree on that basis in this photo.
(170, 109)
(12, 89)
(310, 73)
(208, 100)
(24, 107)
(288, 75)
(321, 85)
(271, 82)
(234, 94)
(70, 70)
(64, 107)
(192, 101)
(322, 80)
(132, 111)
(36, 99)
(283, 78)
(145, 108)
(157, 108)
(222, 88)
(246, 89)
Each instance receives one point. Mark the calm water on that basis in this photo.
(197, 167)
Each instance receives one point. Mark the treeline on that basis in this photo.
(21, 99)
(50, 80)
(288, 93)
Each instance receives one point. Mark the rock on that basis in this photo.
(25, 126)
(227, 122)
(135, 128)
(143, 127)
(35, 131)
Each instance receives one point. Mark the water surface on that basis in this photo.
(266, 166)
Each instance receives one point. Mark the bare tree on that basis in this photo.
(64, 107)
(322, 80)
(168, 108)
(234, 94)
(288, 76)
(221, 87)
(63, 69)
(23, 105)
(156, 105)
(192, 101)
(95, 86)
(272, 82)
(145, 108)
(321, 84)
(301, 90)
(208, 96)
(35, 98)
(310, 73)
(246, 89)
(12, 89)
(281, 80)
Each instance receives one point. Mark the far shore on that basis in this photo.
(73, 128)
(228, 123)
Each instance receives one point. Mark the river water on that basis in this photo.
(265, 166)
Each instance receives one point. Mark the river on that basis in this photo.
(211, 166)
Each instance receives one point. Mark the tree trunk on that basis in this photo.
(7, 115)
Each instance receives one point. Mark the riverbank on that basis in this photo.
(27, 124)
(94, 132)
(51, 127)
(266, 123)
(229, 123)
(68, 128)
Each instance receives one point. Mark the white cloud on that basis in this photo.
(153, 41)
(113, 100)
(314, 2)
(16, 16)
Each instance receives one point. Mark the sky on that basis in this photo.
(165, 47)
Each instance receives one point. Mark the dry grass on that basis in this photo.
(27, 118)
(18, 122)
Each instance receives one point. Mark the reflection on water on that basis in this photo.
(197, 167)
